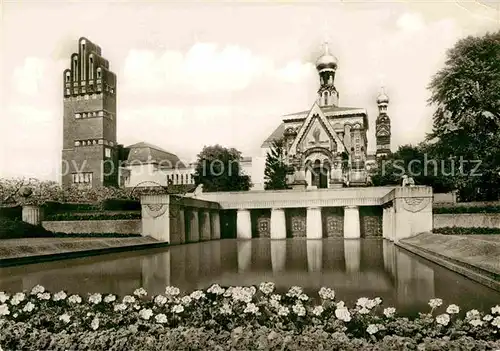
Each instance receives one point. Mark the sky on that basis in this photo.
(192, 74)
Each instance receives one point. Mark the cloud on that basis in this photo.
(26, 78)
(411, 22)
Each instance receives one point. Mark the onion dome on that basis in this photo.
(382, 98)
(326, 60)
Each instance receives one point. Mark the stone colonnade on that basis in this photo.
(314, 223)
(178, 220)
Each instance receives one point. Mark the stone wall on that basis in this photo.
(126, 226)
(467, 220)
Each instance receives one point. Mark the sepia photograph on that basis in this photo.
(249, 175)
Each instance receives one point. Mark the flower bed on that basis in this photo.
(236, 318)
(466, 231)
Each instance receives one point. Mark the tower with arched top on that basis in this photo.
(326, 65)
(383, 126)
(89, 155)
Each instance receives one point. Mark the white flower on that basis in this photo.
(267, 288)
(95, 298)
(276, 297)
(128, 299)
(495, 310)
(343, 314)
(43, 296)
(299, 310)
(145, 313)
(496, 322)
(140, 292)
(443, 319)
(137, 307)
(283, 311)
(61, 295)
(3, 297)
(487, 318)
(172, 291)
(186, 300)
(435, 303)
(251, 308)
(472, 314)
(226, 309)
(65, 318)
(29, 307)
(476, 322)
(242, 294)
(198, 294)
(317, 310)
(294, 291)
(109, 298)
(326, 293)
(372, 329)
(95, 323)
(160, 300)
(340, 304)
(216, 289)
(120, 307)
(15, 315)
(364, 310)
(377, 300)
(17, 299)
(371, 303)
(38, 289)
(389, 312)
(74, 299)
(363, 302)
(178, 309)
(453, 309)
(303, 297)
(161, 318)
(4, 310)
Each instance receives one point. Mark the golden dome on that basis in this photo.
(326, 60)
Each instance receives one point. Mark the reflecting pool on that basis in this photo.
(354, 268)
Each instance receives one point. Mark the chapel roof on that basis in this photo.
(148, 153)
(329, 111)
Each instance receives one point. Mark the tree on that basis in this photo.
(219, 169)
(466, 121)
(417, 162)
(277, 169)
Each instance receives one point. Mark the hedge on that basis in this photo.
(466, 231)
(92, 216)
(471, 209)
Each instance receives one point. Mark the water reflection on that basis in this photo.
(354, 268)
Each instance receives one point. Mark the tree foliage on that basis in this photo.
(466, 122)
(219, 169)
(277, 169)
(417, 162)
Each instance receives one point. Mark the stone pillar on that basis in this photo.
(156, 216)
(385, 222)
(314, 255)
(278, 223)
(32, 214)
(244, 255)
(391, 227)
(205, 225)
(412, 211)
(352, 229)
(308, 177)
(278, 255)
(352, 255)
(243, 224)
(194, 228)
(182, 226)
(215, 225)
(314, 224)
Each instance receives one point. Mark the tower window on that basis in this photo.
(68, 77)
(99, 73)
(91, 67)
(75, 68)
(325, 97)
(107, 152)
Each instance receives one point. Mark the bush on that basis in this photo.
(471, 209)
(236, 318)
(121, 205)
(51, 207)
(466, 231)
(11, 212)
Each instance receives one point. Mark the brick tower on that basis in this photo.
(383, 126)
(90, 150)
